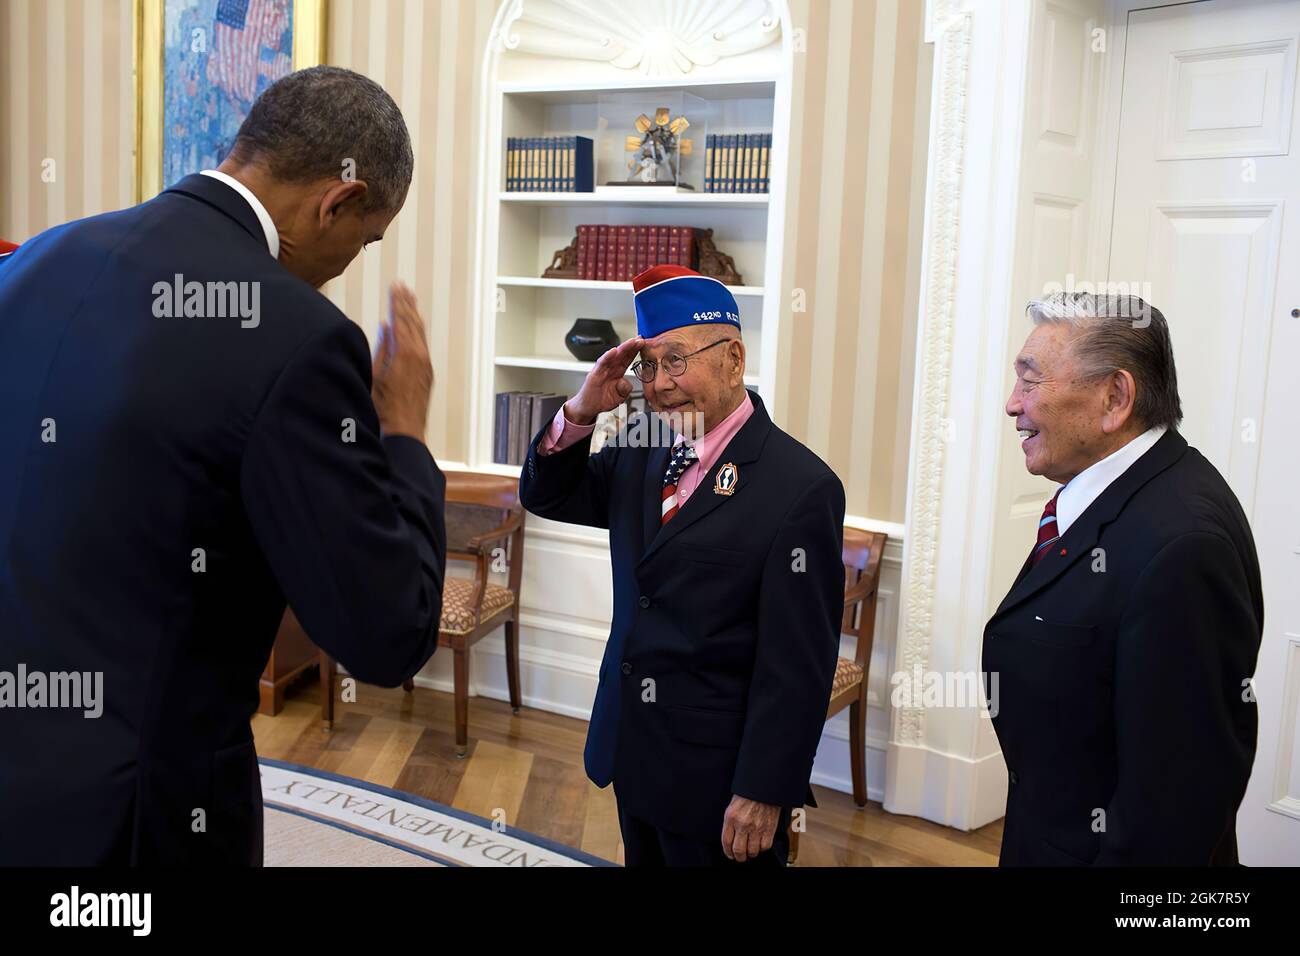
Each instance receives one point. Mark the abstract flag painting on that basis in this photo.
(202, 63)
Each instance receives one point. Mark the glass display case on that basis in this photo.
(651, 140)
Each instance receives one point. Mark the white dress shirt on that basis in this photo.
(264, 217)
(1085, 487)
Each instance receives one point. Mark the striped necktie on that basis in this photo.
(683, 456)
(1047, 530)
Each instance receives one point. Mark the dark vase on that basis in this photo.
(589, 339)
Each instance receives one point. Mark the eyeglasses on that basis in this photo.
(674, 364)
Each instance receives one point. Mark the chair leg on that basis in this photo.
(858, 749)
(462, 701)
(326, 692)
(512, 663)
(408, 685)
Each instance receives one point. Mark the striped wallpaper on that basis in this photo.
(853, 242)
(853, 224)
(67, 95)
(428, 55)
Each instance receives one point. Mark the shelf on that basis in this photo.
(551, 92)
(739, 291)
(559, 364)
(556, 363)
(707, 200)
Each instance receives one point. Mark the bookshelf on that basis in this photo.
(540, 80)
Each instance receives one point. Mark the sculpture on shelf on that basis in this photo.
(564, 263)
(713, 263)
(655, 151)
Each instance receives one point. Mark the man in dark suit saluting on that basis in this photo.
(726, 538)
(190, 439)
(1125, 647)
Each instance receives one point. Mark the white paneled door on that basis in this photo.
(1207, 225)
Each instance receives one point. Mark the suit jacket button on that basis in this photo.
(627, 668)
(645, 601)
(1011, 776)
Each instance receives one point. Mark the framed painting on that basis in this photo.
(199, 65)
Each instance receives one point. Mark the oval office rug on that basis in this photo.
(317, 818)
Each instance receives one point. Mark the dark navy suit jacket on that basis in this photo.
(165, 485)
(718, 668)
(1122, 660)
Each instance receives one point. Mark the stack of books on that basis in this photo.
(520, 416)
(737, 162)
(560, 164)
(617, 253)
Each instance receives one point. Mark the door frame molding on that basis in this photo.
(942, 763)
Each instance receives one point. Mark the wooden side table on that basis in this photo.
(292, 654)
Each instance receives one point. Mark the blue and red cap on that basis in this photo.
(670, 297)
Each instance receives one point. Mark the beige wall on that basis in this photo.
(428, 54)
(853, 222)
(66, 94)
(853, 241)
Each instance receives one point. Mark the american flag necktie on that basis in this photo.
(1047, 531)
(683, 456)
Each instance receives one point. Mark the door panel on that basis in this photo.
(1205, 222)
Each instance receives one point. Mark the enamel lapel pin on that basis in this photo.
(725, 481)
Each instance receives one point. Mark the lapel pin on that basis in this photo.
(725, 481)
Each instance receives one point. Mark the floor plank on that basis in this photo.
(527, 769)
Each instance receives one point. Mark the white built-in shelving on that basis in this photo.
(541, 79)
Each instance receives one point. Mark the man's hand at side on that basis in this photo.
(748, 828)
(403, 374)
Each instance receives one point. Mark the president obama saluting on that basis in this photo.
(167, 484)
(728, 584)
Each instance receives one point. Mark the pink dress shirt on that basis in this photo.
(564, 433)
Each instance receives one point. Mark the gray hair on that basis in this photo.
(328, 122)
(1120, 332)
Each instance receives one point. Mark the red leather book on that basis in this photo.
(624, 240)
(688, 247)
(639, 250)
(602, 252)
(584, 252)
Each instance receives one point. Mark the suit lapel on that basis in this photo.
(652, 488)
(221, 197)
(1082, 538)
(743, 449)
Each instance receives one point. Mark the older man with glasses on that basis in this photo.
(726, 538)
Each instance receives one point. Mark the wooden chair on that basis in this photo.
(862, 553)
(483, 514)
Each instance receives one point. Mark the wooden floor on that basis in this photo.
(530, 765)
